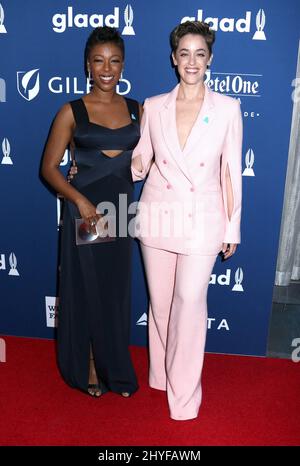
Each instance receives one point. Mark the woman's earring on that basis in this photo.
(89, 80)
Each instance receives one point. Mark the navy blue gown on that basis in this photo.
(95, 280)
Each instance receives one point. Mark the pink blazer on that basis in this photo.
(183, 205)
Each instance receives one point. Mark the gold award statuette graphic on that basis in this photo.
(6, 153)
(128, 18)
(2, 27)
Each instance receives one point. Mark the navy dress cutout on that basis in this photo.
(95, 280)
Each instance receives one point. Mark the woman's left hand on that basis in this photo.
(228, 249)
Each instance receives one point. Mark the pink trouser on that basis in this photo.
(177, 326)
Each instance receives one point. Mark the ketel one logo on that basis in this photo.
(249, 161)
(143, 320)
(234, 24)
(62, 21)
(6, 160)
(28, 83)
(2, 27)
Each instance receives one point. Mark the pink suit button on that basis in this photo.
(192, 189)
(169, 186)
(164, 161)
(190, 215)
(201, 164)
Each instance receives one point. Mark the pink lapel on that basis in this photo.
(202, 123)
(169, 130)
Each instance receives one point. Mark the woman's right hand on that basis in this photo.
(88, 213)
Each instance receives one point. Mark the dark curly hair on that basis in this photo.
(102, 35)
(192, 27)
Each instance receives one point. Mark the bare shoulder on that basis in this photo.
(65, 115)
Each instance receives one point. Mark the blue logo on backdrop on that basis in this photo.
(242, 25)
(62, 21)
(28, 83)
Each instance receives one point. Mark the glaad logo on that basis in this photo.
(62, 21)
(128, 18)
(2, 90)
(2, 27)
(52, 303)
(12, 262)
(224, 279)
(28, 83)
(231, 24)
(143, 320)
(249, 160)
(260, 24)
(6, 153)
(13, 265)
(2, 350)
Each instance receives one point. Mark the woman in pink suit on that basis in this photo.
(189, 211)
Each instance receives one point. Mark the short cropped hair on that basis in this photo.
(102, 35)
(192, 27)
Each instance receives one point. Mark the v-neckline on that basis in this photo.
(193, 125)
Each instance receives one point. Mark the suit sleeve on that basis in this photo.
(232, 157)
(144, 147)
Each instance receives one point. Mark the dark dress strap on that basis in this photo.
(79, 111)
(134, 111)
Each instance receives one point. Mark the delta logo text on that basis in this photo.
(9, 263)
(243, 24)
(63, 21)
(28, 85)
(212, 323)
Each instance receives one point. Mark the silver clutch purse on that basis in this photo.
(84, 236)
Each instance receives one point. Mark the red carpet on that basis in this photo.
(247, 401)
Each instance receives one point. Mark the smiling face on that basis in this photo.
(105, 63)
(191, 58)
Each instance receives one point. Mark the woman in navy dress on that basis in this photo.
(94, 311)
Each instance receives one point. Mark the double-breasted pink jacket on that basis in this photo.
(183, 205)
